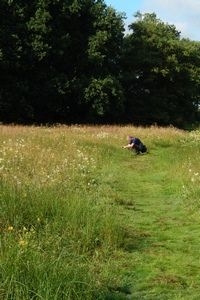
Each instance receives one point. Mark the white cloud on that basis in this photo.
(184, 14)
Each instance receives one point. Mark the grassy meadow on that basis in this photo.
(82, 218)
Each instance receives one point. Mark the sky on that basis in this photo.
(184, 14)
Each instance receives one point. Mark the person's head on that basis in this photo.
(129, 138)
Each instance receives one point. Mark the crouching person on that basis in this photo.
(135, 144)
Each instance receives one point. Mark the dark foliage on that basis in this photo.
(69, 61)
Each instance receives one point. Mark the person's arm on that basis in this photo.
(129, 146)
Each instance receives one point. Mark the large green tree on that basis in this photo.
(160, 74)
(52, 52)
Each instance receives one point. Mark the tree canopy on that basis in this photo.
(70, 61)
(160, 73)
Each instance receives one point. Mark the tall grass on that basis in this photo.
(56, 230)
(69, 198)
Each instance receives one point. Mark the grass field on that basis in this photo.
(82, 218)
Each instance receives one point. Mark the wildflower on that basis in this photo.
(10, 228)
(23, 243)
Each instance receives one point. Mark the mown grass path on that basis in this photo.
(162, 234)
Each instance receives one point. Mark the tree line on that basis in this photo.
(70, 61)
